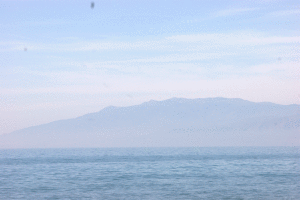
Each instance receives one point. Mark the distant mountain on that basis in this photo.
(173, 122)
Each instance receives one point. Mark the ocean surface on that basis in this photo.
(151, 173)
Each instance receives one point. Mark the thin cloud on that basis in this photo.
(237, 38)
(222, 13)
(283, 13)
(240, 38)
(232, 12)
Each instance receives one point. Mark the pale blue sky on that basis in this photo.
(121, 53)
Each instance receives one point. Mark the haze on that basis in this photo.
(62, 59)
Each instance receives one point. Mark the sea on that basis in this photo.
(151, 173)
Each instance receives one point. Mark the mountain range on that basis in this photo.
(175, 122)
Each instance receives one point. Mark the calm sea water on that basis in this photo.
(151, 173)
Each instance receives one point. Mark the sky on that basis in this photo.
(62, 59)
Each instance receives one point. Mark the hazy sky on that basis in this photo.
(61, 59)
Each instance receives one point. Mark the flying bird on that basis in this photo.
(92, 5)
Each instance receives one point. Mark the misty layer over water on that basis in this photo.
(151, 173)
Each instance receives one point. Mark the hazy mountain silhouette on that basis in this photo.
(173, 122)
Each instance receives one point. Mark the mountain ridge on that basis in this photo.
(165, 123)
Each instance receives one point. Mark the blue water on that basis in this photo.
(151, 173)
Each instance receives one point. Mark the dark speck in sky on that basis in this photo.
(25, 49)
(92, 5)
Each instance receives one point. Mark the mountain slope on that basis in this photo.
(173, 122)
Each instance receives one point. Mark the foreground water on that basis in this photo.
(151, 173)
